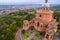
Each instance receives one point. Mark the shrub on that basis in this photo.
(23, 31)
(24, 36)
(37, 34)
(32, 39)
(31, 31)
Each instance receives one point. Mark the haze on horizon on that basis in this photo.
(28, 1)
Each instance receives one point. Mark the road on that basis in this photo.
(18, 34)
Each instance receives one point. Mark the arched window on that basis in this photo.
(47, 36)
(40, 15)
(38, 24)
(27, 24)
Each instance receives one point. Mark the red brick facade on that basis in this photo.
(43, 22)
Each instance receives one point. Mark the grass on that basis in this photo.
(32, 39)
(25, 36)
(37, 34)
(31, 31)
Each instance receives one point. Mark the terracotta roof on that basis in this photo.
(45, 12)
(39, 20)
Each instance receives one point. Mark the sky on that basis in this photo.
(28, 1)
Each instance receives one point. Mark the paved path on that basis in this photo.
(18, 34)
(41, 38)
(31, 36)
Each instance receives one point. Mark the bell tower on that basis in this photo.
(52, 23)
(45, 14)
